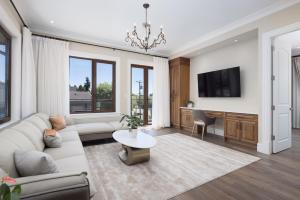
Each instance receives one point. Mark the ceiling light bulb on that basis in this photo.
(235, 40)
(51, 22)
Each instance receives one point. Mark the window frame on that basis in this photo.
(94, 84)
(7, 118)
(146, 69)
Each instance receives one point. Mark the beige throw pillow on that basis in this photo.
(58, 122)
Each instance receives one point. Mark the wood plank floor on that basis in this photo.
(273, 177)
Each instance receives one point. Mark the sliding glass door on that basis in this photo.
(142, 92)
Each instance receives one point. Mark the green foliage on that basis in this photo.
(87, 84)
(133, 121)
(191, 102)
(104, 90)
(6, 193)
(80, 88)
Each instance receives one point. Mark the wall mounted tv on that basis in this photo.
(221, 83)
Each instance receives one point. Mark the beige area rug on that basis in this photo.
(178, 163)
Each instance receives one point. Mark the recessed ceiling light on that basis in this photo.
(51, 22)
(235, 40)
(298, 47)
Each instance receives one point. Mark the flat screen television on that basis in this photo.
(221, 83)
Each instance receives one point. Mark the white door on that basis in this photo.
(282, 120)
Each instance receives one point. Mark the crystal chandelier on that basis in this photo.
(145, 43)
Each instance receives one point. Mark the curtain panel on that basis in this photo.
(28, 90)
(52, 62)
(161, 93)
(296, 91)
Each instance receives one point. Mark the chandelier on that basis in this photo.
(145, 43)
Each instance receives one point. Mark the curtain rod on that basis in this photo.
(96, 45)
(21, 18)
(85, 43)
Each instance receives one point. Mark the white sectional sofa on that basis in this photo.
(74, 179)
(95, 126)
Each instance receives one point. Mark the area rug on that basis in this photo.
(178, 163)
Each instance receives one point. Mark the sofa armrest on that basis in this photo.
(59, 186)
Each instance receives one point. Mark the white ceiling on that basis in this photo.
(106, 21)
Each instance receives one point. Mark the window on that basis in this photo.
(92, 85)
(4, 76)
(142, 92)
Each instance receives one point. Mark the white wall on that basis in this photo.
(243, 54)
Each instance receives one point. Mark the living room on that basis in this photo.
(128, 100)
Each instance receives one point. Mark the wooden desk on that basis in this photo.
(237, 126)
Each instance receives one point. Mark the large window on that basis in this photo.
(92, 85)
(4, 76)
(142, 92)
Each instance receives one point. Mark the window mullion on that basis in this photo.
(94, 86)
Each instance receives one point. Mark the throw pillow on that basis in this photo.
(2, 173)
(58, 122)
(52, 138)
(31, 163)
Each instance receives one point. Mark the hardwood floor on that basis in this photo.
(273, 177)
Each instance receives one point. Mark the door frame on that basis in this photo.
(266, 117)
(146, 87)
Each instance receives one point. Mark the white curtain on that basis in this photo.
(296, 91)
(52, 61)
(28, 89)
(161, 93)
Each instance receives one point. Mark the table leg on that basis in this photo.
(132, 156)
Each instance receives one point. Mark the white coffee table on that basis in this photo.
(135, 146)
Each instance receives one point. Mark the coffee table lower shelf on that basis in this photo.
(131, 156)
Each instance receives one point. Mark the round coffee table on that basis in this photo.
(135, 146)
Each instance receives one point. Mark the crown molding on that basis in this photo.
(198, 43)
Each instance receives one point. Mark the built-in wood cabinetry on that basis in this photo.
(179, 87)
(242, 127)
(237, 126)
(186, 119)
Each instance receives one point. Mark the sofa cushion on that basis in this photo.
(68, 128)
(94, 118)
(38, 122)
(45, 118)
(69, 136)
(68, 149)
(89, 128)
(117, 125)
(32, 163)
(10, 141)
(32, 133)
(77, 164)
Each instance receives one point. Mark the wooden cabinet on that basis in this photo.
(186, 119)
(237, 126)
(232, 128)
(242, 127)
(179, 87)
(249, 131)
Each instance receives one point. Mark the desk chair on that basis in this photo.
(200, 119)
